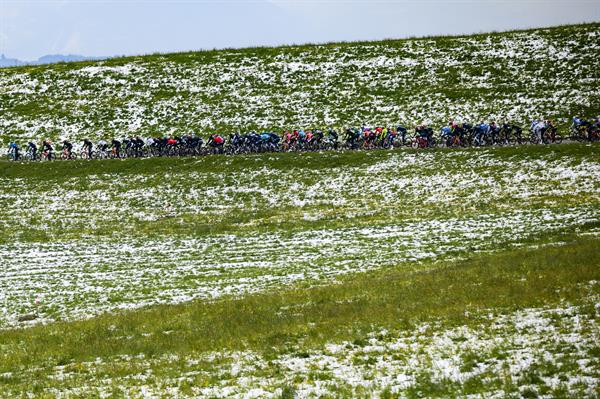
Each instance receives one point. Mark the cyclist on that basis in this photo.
(67, 148)
(446, 133)
(265, 137)
(13, 151)
(510, 130)
(301, 136)
(138, 145)
(102, 145)
(401, 131)
(551, 129)
(216, 142)
(481, 131)
(538, 128)
(318, 136)
(495, 132)
(425, 133)
(288, 140)
(87, 146)
(47, 149)
(332, 134)
(32, 150)
(274, 138)
(580, 127)
(351, 136)
(235, 140)
(116, 148)
(309, 136)
(381, 133)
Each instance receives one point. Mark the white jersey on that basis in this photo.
(538, 126)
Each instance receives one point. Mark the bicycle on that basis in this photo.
(594, 133)
(84, 154)
(535, 137)
(579, 132)
(46, 155)
(103, 154)
(13, 155)
(30, 155)
(420, 142)
(514, 135)
(551, 136)
(67, 154)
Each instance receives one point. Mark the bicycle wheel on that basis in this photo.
(558, 138)
(533, 138)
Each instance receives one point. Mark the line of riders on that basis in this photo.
(452, 135)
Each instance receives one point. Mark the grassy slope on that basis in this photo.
(82, 238)
(451, 239)
(298, 321)
(514, 75)
(285, 191)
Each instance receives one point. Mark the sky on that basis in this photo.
(32, 28)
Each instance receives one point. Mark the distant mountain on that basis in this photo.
(46, 59)
(53, 58)
(6, 62)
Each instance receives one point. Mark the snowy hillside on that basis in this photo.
(454, 273)
(515, 75)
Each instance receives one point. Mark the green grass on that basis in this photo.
(258, 222)
(348, 310)
(171, 180)
(415, 243)
(161, 341)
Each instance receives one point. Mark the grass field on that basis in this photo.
(520, 322)
(344, 274)
(85, 237)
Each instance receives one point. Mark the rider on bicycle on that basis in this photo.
(401, 131)
(481, 132)
(67, 149)
(318, 136)
(332, 137)
(32, 149)
(13, 150)
(425, 133)
(47, 148)
(87, 146)
(116, 148)
(138, 145)
(216, 142)
(446, 132)
(538, 128)
(103, 145)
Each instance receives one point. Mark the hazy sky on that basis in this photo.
(31, 28)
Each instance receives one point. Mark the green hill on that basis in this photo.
(516, 75)
(439, 273)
